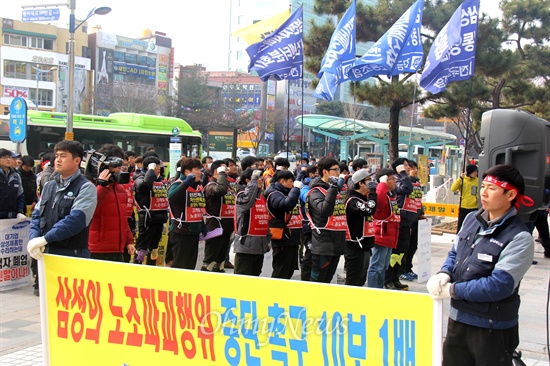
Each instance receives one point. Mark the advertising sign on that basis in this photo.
(220, 141)
(18, 120)
(91, 312)
(14, 259)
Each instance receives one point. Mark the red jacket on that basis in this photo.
(386, 218)
(109, 230)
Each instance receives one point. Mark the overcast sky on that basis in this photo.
(199, 28)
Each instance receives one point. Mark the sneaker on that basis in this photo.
(36, 292)
(406, 277)
(399, 286)
(141, 255)
(154, 254)
(229, 265)
(413, 275)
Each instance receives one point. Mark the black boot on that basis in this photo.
(399, 286)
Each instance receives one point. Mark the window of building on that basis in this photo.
(239, 55)
(15, 69)
(45, 97)
(131, 59)
(28, 41)
(15, 39)
(118, 56)
(142, 60)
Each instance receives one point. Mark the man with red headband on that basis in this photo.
(482, 272)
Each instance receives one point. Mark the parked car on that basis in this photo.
(287, 155)
(242, 153)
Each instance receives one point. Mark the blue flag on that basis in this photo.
(281, 53)
(398, 51)
(453, 52)
(339, 57)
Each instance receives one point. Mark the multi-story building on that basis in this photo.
(130, 68)
(34, 66)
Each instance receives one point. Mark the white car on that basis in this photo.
(291, 157)
(243, 153)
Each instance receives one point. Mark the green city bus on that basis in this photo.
(130, 131)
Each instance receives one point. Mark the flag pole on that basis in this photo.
(466, 140)
(302, 133)
(412, 115)
(354, 116)
(287, 118)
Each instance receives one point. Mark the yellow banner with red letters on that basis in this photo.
(105, 313)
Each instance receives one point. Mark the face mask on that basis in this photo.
(209, 166)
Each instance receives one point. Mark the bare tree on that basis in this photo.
(134, 98)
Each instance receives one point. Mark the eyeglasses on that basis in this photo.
(6, 157)
(336, 169)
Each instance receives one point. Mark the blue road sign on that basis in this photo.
(40, 15)
(18, 120)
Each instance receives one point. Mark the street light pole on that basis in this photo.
(69, 134)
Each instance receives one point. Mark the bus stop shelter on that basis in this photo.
(348, 130)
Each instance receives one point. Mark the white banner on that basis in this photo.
(14, 259)
(424, 252)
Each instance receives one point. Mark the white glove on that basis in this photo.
(445, 292)
(400, 168)
(256, 174)
(21, 217)
(36, 246)
(383, 179)
(151, 166)
(342, 176)
(436, 282)
(221, 169)
(298, 184)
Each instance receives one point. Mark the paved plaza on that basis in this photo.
(21, 345)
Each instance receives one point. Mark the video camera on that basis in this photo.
(95, 162)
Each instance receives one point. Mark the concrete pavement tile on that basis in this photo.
(16, 323)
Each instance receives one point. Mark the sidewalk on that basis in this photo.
(20, 342)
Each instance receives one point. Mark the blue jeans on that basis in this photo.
(379, 262)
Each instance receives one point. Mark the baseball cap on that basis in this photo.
(360, 175)
(15, 155)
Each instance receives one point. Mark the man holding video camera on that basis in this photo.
(109, 231)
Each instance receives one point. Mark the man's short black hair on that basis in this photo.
(399, 161)
(413, 164)
(343, 167)
(359, 164)
(150, 153)
(130, 153)
(283, 174)
(216, 164)
(247, 174)
(312, 169)
(282, 162)
(27, 160)
(248, 161)
(507, 173)
(73, 147)
(325, 163)
(112, 150)
(205, 158)
(189, 164)
(5, 152)
(150, 159)
(382, 172)
(227, 161)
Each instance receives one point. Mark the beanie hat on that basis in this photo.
(470, 169)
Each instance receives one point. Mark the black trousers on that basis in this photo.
(111, 257)
(393, 272)
(248, 264)
(356, 263)
(215, 249)
(185, 250)
(406, 265)
(285, 261)
(467, 345)
(149, 237)
(323, 267)
(305, 260)
(541, 223)
(462, 213)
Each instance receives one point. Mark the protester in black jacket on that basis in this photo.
(360, 206)
(327, 216)
(283, 196)
(28, 179)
